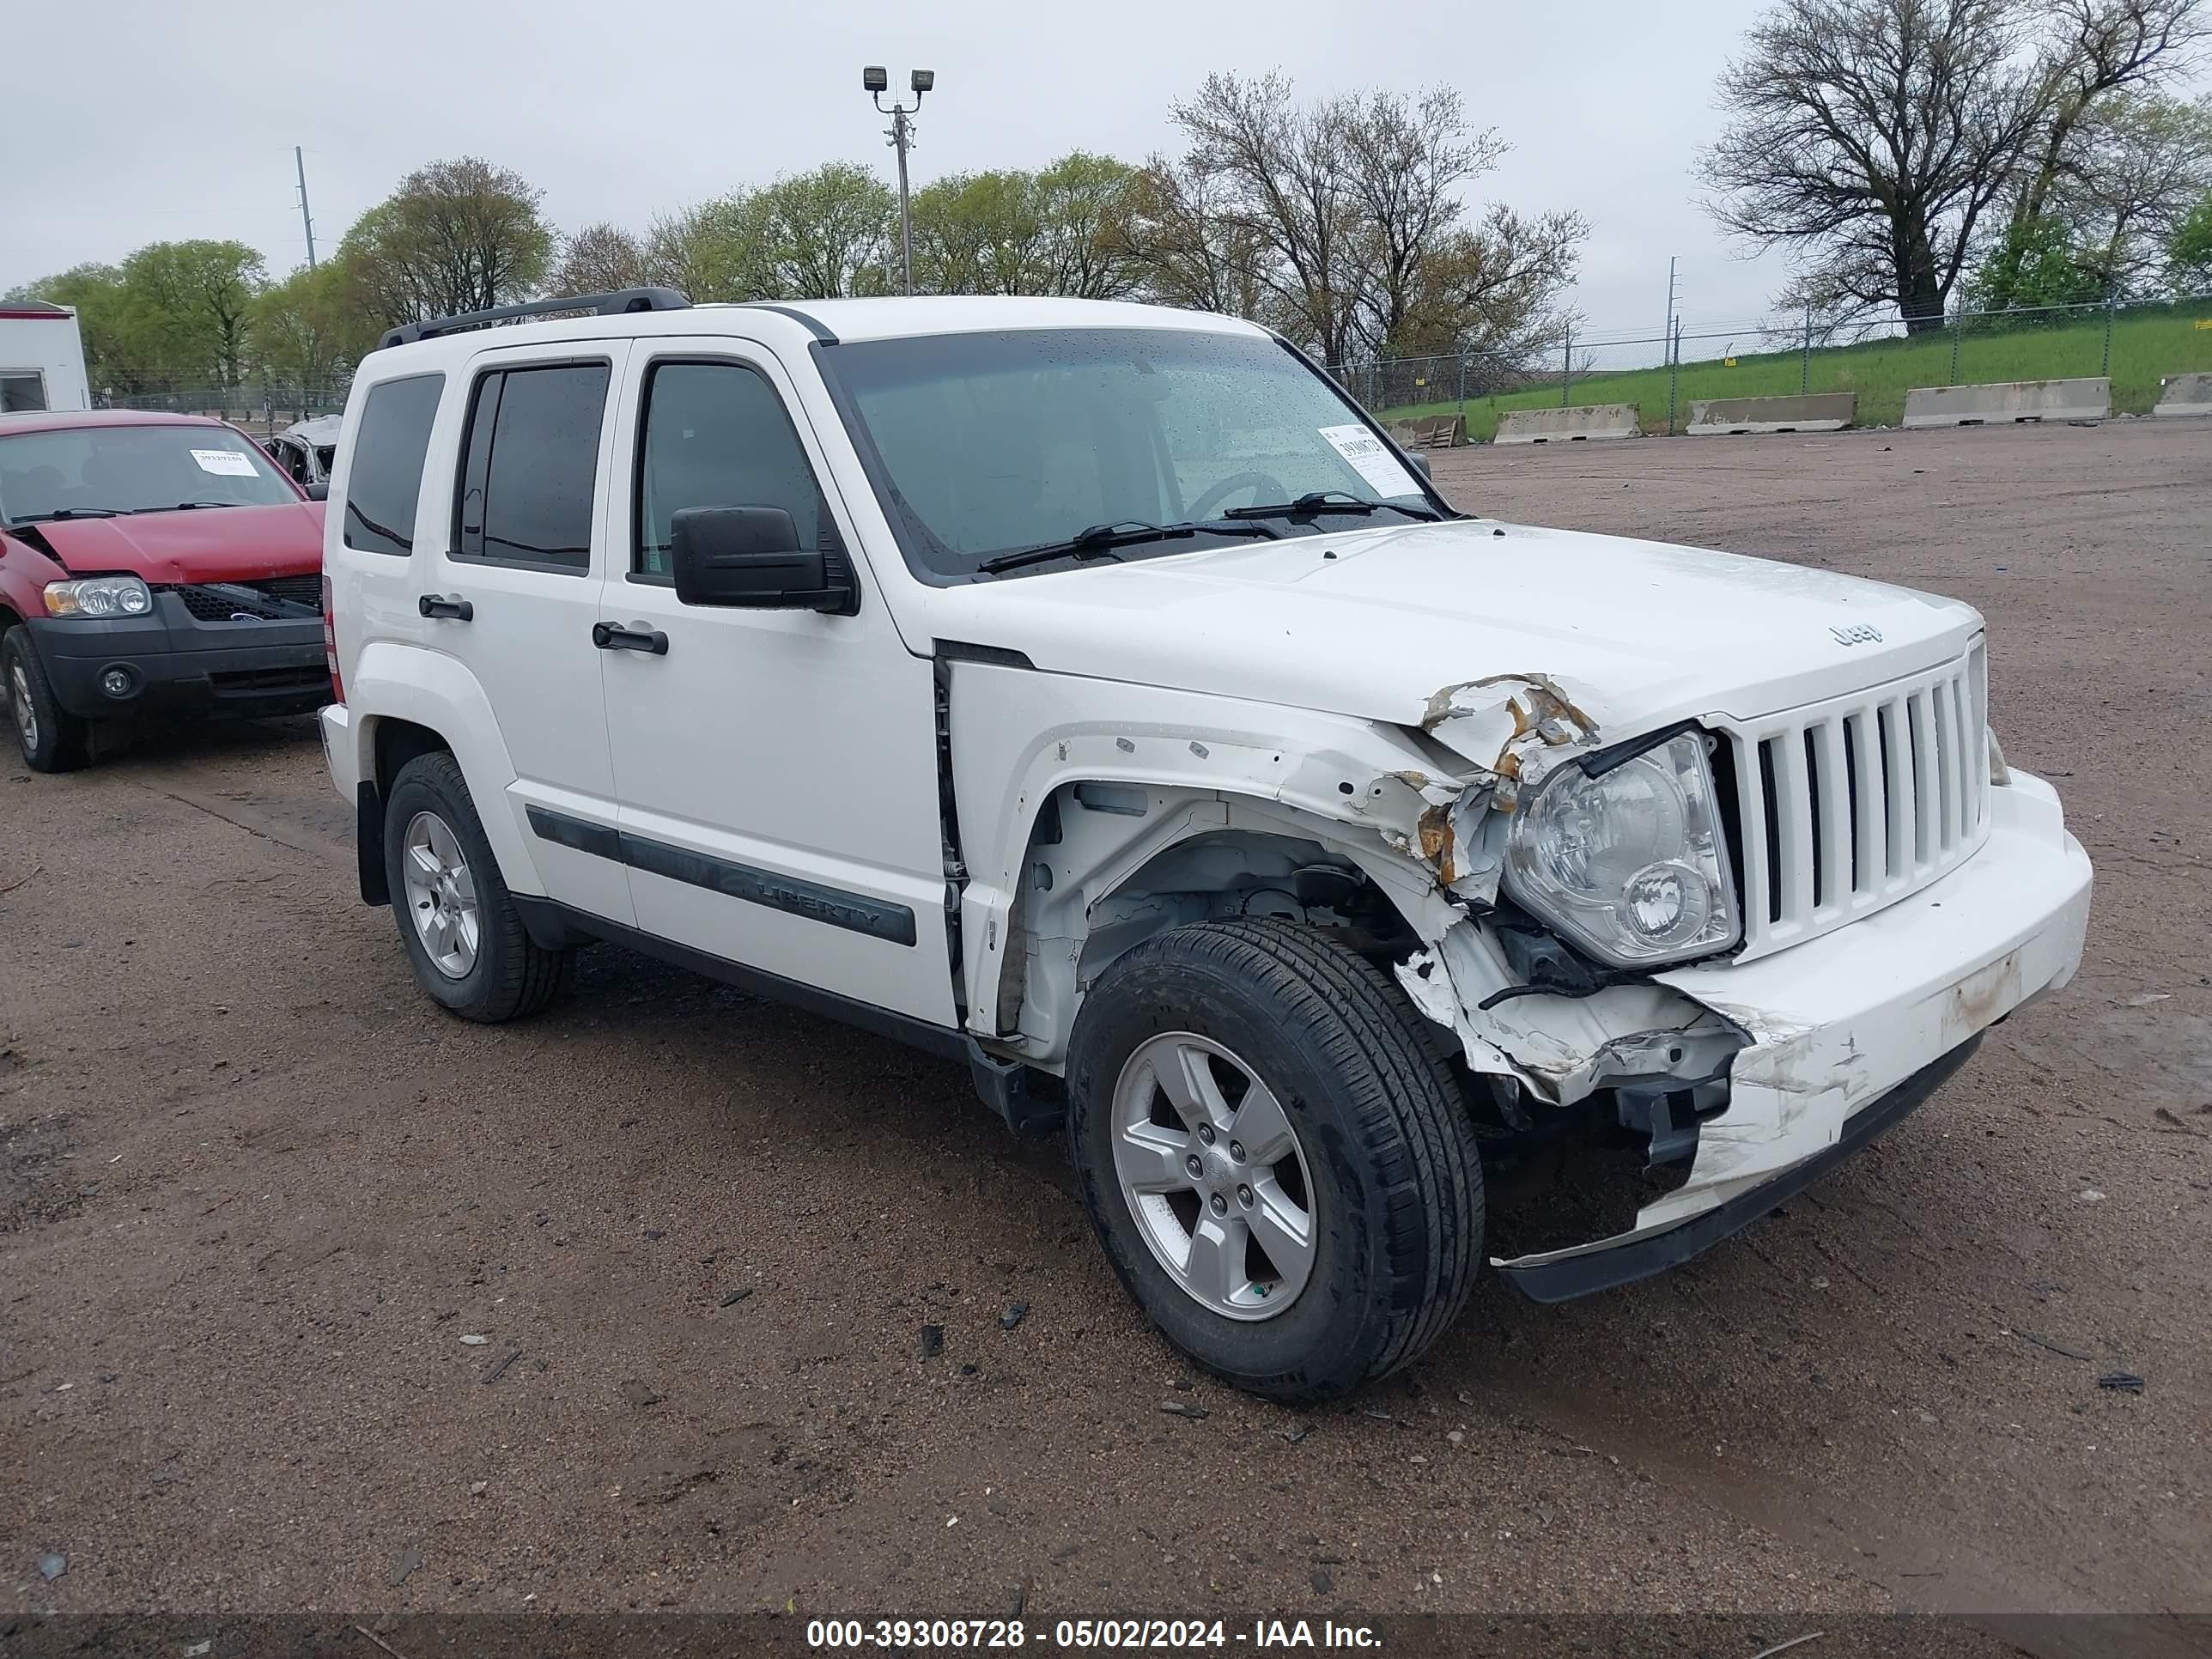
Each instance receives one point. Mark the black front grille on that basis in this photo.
(273, 598)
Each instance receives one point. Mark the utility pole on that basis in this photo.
(306, 220)
(877, 81)
(1669, 335)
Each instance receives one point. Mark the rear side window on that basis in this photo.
(717, 436)
(387, 464)
(530, 467)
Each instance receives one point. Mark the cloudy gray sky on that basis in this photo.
(135, 120)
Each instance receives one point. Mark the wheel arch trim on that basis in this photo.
(395, 682)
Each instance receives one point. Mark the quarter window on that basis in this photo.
(531, 466)
(387, 480)
(716, 435)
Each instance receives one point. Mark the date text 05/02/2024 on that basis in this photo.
(1141, 1635)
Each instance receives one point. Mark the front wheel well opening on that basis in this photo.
(1098, 879)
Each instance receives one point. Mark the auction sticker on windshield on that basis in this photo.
(228, 462)
(1372, 458)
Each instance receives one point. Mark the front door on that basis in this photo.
(776, 769)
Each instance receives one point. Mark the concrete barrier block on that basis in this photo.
(1553, 426)
(2184, 394)
(1818, 411)
(2005, 402)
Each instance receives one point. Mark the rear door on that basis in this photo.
(777, 768)
(534, 512)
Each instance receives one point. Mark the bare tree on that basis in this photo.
(600, 259)
(1495, 288)
(1191, 249)
(1876, 139)
(2138, 163)
(1348, 217)
(1870, 137)
(2101, 47)
(1283, 176)
(1404, 163)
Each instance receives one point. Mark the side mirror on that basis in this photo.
(1421, 465)
(319, 492)
(751, 556)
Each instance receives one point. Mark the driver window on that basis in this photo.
(715, 434)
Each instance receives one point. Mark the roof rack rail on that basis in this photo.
(602, 305)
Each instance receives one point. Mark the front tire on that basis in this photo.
(463, 934)
(51, 738)
(1277, 1161)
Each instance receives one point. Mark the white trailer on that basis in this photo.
(41, 358)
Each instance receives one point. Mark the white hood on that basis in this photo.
(1376, 624)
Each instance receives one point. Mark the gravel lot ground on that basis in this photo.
(314, 1298)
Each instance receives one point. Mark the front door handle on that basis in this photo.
(624, 636)
(437, 604)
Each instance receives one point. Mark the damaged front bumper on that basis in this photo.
(1848, 1032)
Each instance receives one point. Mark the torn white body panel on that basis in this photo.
(1838, 1023)
(1155, 768)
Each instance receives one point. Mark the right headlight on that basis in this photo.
(99, 596)
(1631, 864)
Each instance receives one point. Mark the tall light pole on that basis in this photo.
(876, 80)
(307, 219)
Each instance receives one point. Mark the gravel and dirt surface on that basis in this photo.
(312, 1298)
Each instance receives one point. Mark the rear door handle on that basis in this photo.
(620, 637)
(437, 604)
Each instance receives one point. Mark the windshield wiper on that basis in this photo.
(1327, 501)
(72, 512)
(185, 507)
(1099, 541)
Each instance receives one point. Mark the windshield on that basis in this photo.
(982, 445)
(97, 469)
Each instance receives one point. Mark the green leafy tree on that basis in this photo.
(1085, 208)
(456, 236)
(830, 232)
(308, 333)
(974, 233)
(716, 251)
(2034, 264)
(188, 308)
(1068, 230)
(2189, 255)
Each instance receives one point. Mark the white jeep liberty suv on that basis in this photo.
(1092, 693)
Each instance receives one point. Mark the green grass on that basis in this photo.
(2147, 345)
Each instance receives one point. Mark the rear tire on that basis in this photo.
(1377, 1135)
(51, 738)
(463, 934)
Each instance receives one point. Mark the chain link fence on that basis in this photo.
(2134, 345)
(262, 405)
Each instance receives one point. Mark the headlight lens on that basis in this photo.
(99, 596)
(1632, 864)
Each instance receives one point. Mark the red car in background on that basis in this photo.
(150, 563)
